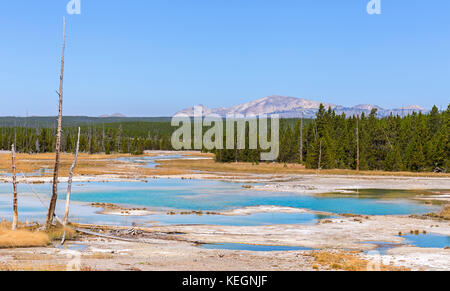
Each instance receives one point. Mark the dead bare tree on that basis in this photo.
(357, 143)
(52, 206)
(69, 183)
(14, 180)
(119, 134)
(69, 187)
(319, 166)
(301, 140)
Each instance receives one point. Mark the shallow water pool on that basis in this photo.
(429, 240)
(199, 195)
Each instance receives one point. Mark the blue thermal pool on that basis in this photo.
(203, 195)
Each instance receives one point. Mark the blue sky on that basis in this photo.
(154, 57)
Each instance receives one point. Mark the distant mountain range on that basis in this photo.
(119, 115)
(50, 121)
(292, 107)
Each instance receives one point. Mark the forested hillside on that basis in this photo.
(128, 137)
(416, 142)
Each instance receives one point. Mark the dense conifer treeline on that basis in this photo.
(417, 142)
(130, 137)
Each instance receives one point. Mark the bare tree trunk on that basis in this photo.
(320, 155)
(357, 143)
(37, 140)
(51, 208)
(69, 183)
(14, 180)
(301, 140)
(118, 138)
(103, 139)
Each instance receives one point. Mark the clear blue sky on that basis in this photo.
(154, 57)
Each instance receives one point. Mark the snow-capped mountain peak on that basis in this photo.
(291, 107)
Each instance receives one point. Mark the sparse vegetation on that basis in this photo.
(21, 238)
(177, 167)
(445, 213)
(349, 262)
(56, 233)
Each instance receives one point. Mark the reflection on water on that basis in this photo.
(150, 162)
(382, 247)
(72, 247)
(204, 195)
(38, 173)
(248, 220)
(377, 193)
(32, 210)
(429, 240)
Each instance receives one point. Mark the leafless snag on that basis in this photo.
(52, 206)
(14, 180)
(69, 186)
(301, 140)
(357, 143)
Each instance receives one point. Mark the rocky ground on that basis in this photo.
(178, 247)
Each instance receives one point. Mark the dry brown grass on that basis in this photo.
(273, 168)
(39, 267)
(98, 256)
(445, 213)
(348, 262)
(25, 256)
(21, 238)
(101, 164)
(56, 233)
(32, 267)
(97, 164)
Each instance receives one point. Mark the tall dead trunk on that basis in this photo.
(103, 139)
(119, 136)
(37, 146)
(357, 143)
(319, 166)
(14, 180)
(51, 208)
(301, 140)
(69, 183)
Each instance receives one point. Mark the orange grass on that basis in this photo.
(349, 262)
(274, 168)
(445, 213)
(101, 164)
(56, 233)
(21, 238)
(39, 267)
